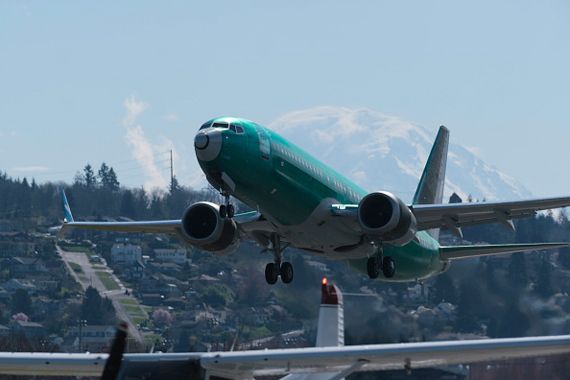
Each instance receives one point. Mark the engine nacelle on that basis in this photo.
(203, 227)
(384, 216)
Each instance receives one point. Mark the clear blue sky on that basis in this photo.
(496, 73)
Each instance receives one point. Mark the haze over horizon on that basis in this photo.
(125, 83)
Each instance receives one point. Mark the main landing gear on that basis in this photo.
(378, 263)
(278, 268)
(227, 210)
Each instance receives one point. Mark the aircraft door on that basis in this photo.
(264, 143)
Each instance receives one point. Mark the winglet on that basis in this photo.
(67, 215)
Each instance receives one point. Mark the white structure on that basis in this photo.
(177, 256)
(330, 330)
(126, 253)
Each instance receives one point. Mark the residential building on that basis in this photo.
(29, 329)
(126, 254)
(94, 338)
(177, 256)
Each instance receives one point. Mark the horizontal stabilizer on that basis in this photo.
(465, 251)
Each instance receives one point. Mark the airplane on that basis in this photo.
(300, 202)
(330, 359)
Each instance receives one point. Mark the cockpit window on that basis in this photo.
(236, 128)
(220, 125)
(206, 125)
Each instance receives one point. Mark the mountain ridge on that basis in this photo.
(350, 139)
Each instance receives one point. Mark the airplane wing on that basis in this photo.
(337, 361)
(457, 215)
(248, 221)
(466, 251)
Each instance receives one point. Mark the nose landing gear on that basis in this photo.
(278, 268)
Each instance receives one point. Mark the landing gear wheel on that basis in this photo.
(271, 273)
(286, 272)
(388, 267)
(223, 211)
(373, 267)
(230, 210)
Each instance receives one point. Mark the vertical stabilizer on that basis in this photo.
(331, 317)
(430, 188)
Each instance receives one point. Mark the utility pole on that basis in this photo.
(171, 173)
(82, 322)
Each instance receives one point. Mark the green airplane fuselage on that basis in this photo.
(288, 186)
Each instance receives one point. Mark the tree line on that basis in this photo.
(93, 194)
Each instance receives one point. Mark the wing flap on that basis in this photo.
(466, 251)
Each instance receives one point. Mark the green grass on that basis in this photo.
(137, 319)
(76, 267)
(149, 339)
(132, 309)
(107, 280)
(128, 301)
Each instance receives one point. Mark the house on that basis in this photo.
(177, 256)
(151, 299)
(166, 268)
(23, 266)
(47, 285)
(170, 290)
(28, 329)
(92, 338)
(5, 296)
(125, 254)
(14, 284)
(135, 271)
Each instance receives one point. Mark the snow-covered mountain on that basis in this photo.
(382, 152)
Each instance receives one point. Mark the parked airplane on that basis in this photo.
(329, 360)
(302, 203)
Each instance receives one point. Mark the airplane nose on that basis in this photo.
(201, 141)
(208, 144)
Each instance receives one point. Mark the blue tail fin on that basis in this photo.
(67, 215)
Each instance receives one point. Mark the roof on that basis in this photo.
(30, 325)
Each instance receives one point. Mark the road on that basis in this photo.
(90, 278)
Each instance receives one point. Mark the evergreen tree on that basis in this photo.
(127, 207)
(103, 174)
(468, 306)
(444, 289)
(96, 310)
(564, 257)
(514, 321)
(518, 276)
(89, 179)
(21, 302)
(108, 178)
(112, 181)
(544, 281)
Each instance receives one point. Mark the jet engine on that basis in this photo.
(385, 217)
(203, 227)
